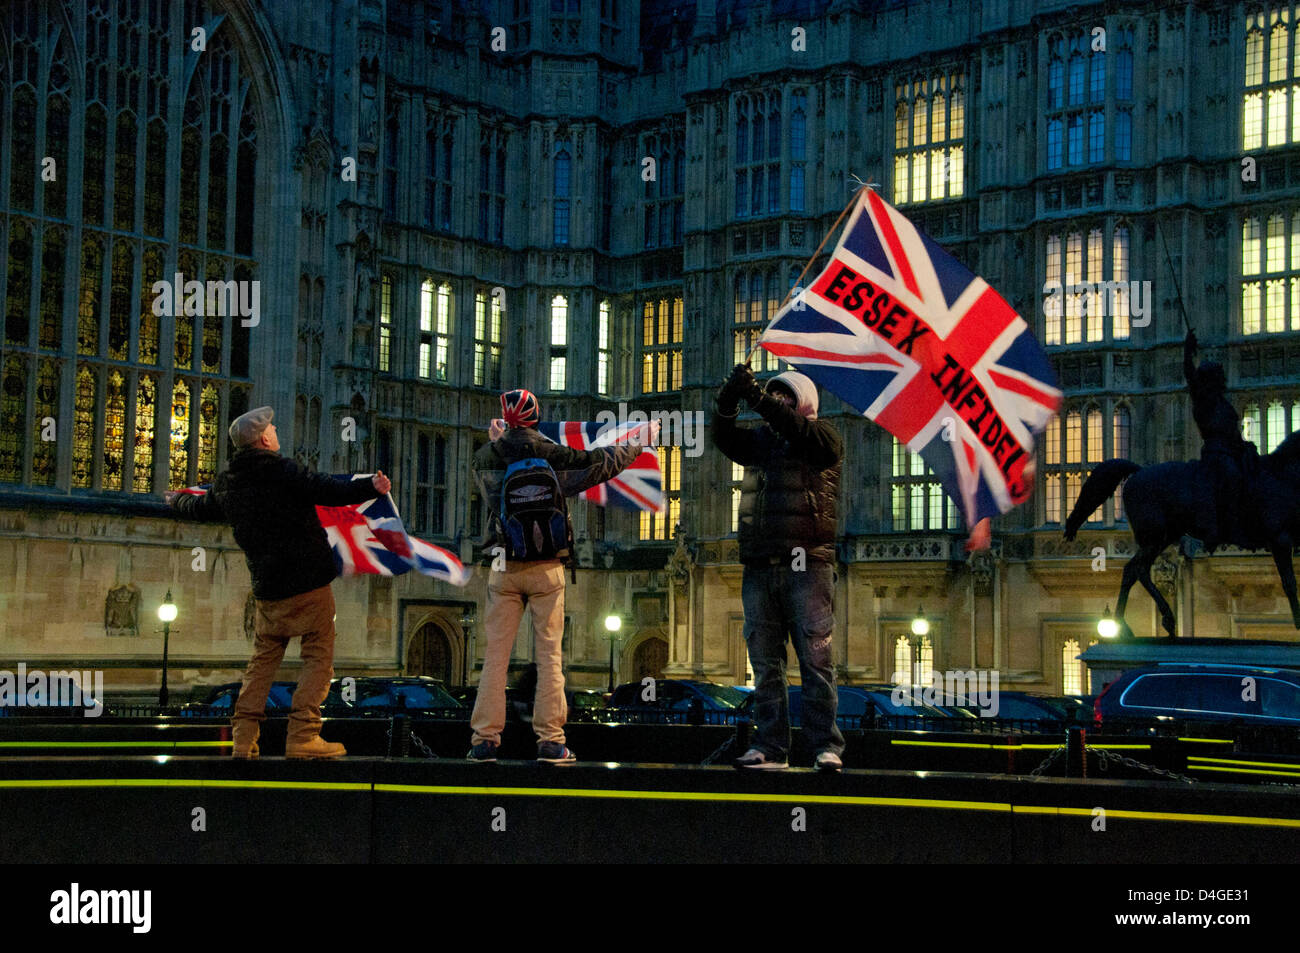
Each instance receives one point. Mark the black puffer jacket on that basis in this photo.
(791, 489)
(270, 501)
(576, 470)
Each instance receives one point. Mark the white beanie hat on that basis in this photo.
(804, 390)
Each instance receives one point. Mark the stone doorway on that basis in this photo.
(430, 653)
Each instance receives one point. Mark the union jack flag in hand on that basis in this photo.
(640, 486)
(906, 335)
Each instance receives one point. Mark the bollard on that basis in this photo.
(399, 737)
(1076, 759)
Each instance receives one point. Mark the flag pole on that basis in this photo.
(1173, 274)
(798, 281)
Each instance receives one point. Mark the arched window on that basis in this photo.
(1072, 670)
(116, 83)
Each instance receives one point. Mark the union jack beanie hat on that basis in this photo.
(519, 408)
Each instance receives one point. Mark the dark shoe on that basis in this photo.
(552, 752)
(829, 761)
(753, 758)
(318, 747)
(482, 752)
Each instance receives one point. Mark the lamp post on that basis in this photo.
(1107, 627)
(920, 629)
(466, 622)
(613, 623)
(167, 614)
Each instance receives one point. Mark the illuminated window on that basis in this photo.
(53, 261)
(209, 422)
(559, 342)
(1072, 669)
(45, 458)
(487, 339)
(1270, 265)
(385, 322)
(13, 419)
(180, 436)
(917, 498)
(929, 138)
(755, 304)
(435, 329)
(602, 349)
(908, 670)
(1072, 444)
(661, 346)
(660, 526)
(146, 406)
(1078, 298)
(83, 428)
(1270, 104)
(737, 478)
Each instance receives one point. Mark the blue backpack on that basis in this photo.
(533, 515)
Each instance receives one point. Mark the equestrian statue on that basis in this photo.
(1230, 496)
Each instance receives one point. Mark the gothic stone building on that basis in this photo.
(605, 203)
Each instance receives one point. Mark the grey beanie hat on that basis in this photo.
(804, 390)
(246, 428)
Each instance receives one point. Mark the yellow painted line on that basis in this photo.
(1164, 816)
(1206, 767)
(695, 796)
(116, 744)
(187, 783)
(1209, 741)
(960, 744)
(1259, 764)
(1121, 747)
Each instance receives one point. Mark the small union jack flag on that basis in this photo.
(369, 538)
(910, 338)
(640, 486)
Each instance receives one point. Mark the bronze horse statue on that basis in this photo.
(1165, 502)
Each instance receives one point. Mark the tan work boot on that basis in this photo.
(250, 752)
(318, 747)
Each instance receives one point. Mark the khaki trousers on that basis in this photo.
(540, 587)
(309, 616)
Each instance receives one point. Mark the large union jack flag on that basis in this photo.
(910, 338)
(369, 538)
(640, 486)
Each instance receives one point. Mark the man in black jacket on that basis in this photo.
(270, 501)
(537, 584)
(787, 532)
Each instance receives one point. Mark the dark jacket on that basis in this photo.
(791, 489)
(270, 501)
(576, 470)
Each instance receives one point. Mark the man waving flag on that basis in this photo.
(910, 338)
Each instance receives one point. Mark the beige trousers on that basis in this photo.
(309, 616)
(540, 587)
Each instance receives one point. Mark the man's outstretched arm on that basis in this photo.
(325, 490)
(201, 507)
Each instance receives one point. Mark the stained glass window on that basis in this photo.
(92, 273)
(146, 403)
(119, 313)
(83, 428)
(209, 416)
(114, 431)
(151, 272)
(53, 258)
(180, 435)
(17, 298)
(45, 453)
(13, 420)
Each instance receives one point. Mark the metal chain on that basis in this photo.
(1105, 756)
(422, 746)
(719, 750)
(1047, 762)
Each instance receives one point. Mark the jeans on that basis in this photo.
(309, 616)
(539, 587)
(782, 603)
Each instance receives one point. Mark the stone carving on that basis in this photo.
(122, 611)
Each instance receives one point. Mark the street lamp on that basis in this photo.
(613, 623)
(466, 622)
(1107, 627)
(167, 614)
(920, 629)
(920, 625)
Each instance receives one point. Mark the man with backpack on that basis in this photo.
(525, 478)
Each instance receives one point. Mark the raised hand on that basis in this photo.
(380, 482)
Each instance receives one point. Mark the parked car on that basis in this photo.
(221, 700)
(675, 694)
(858, 705)
(1020, 706)
(1205, 692)
(418, 692)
